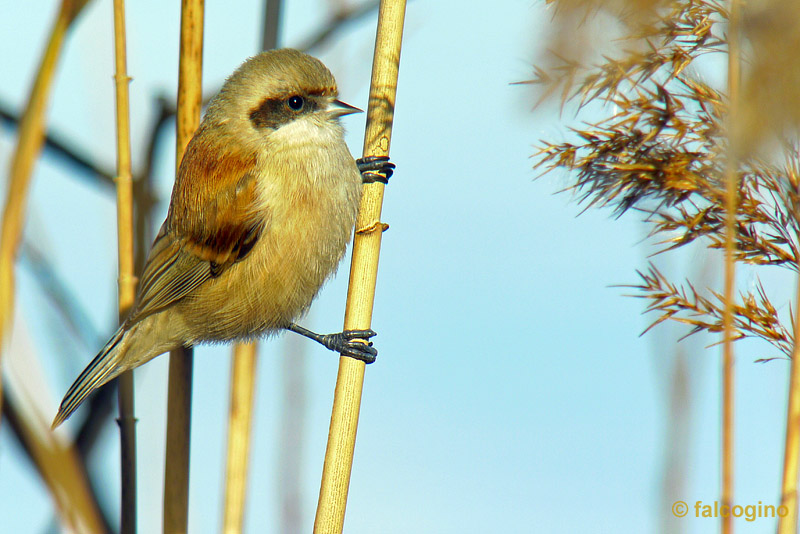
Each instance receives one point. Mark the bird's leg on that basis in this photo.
(343, 342)
(375, 169)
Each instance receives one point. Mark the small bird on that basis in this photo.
(263, 206)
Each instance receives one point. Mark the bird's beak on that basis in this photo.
(337, 108)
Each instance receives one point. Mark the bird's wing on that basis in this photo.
(214, 220)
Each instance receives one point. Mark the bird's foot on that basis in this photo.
(346, 343)
(351, 343)
(375, 169)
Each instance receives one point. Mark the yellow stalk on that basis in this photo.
(241, 416)
(363, 273)
(731, 201)
(30, 137)
(59, 465)
(176, 472)
(787, 524)
(127, 281)
(179, 421)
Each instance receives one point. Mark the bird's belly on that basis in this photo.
(274, 284)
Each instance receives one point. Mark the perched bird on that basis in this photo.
(263, 206)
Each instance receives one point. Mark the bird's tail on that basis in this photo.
(103, 368)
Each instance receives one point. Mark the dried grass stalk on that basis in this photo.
(127, 281)
(59, 465)
(176, 472)
(692, 159)
(179, 424)
(663, 152)
(239, 431)
(30, 138)
(363, 273)
(731, 203)
(788, 524)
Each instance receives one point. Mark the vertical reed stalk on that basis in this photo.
(243, 373)
(363, 273)
(176, 472)
(127, 281)
(30, 137)
(239, 432)
(179, 425)
(731, 201)
(788, 524)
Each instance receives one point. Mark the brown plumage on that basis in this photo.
(262, 209)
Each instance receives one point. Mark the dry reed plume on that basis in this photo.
(662, 152)
(706, 164)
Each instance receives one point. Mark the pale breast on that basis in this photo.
(310, 205)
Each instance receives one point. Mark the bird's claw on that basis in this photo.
(347, 344)
(375, 169)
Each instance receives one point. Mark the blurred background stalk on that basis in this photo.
(731, 206)
(30, 138)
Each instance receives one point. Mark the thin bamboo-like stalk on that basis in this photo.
(787, 524)
(363, 273)
(127, 280)
(731, 201)
(179, 402)
(30, 138)
(239, 431)
(179, 422)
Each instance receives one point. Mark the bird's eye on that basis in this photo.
(295, 102)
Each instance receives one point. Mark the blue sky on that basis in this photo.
(512, 392)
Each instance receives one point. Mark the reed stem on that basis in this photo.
(363, 273)
(731, 201)
(243, 379)
(30, 138)
(127, 280)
